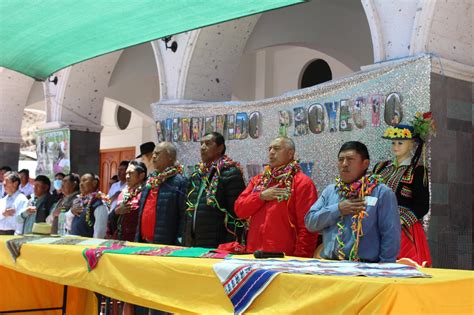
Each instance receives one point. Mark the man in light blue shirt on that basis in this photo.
(357, 197)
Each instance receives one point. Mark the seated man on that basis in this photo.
(39, 205)
(277, 202)
(358, 216)
(90, 209)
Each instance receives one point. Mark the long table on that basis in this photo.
(188, 285)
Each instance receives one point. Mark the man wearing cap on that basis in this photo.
(146, 152)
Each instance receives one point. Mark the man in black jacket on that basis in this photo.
(214, 186)
(163, 199)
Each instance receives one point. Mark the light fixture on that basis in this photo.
(173, 46)
(54, 80)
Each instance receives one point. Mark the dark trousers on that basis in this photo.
(7, 232)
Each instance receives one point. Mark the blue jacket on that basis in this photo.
(170, 208)
(381, 228)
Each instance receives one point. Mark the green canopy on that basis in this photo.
(40, 37)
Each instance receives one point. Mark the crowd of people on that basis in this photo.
(359, 217)
(367, 216)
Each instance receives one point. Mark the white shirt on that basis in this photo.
(101, 214)
(2, 191)
(27, 190)
(17, 201)
(116, 188)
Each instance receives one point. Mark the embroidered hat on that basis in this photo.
(399, 132)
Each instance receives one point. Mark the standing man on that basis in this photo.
(39, 205)
(25, 187)
(3, 170)
(117, 188)
(90, 210)
(276, 203)
(357, 215)
(163, 199)
(214, 186)
(12, 204)
(123, 220)
(146, 151)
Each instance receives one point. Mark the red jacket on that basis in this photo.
(279, 226)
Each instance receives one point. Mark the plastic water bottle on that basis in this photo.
(62, 222)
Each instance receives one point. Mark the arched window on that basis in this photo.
(316, 72)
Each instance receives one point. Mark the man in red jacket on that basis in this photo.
(276, 203)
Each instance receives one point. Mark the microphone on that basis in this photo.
(262, 254)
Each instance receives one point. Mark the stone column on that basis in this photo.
(14, 91)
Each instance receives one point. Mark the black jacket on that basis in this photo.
(170, 209)
(205, 227)
(407, 182)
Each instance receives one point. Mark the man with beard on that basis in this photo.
(277, 201)
(358, 216)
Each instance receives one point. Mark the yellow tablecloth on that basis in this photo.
(188, 285)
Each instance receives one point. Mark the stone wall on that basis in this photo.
(450, 233)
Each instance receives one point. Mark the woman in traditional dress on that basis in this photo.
(407, 176)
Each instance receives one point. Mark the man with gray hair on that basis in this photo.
(277, 201)
(11, 205)
(162, 204)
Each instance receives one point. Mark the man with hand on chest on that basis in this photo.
(358, 216)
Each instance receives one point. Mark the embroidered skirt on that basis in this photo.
(415, 246)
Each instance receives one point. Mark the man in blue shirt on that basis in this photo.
(357, 216)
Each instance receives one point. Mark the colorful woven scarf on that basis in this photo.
(130, 194)
(217, 167)
(281, 176)
(157, 178)
(202, 171)
(87, 201)
(357, 189)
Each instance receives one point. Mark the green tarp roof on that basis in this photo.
(40, 37)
